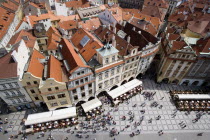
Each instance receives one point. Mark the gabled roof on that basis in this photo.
(53, 38)
(35, 67)
(121, 44)
(177, 45)
(54, 69)
(77, 4)
(27, 37)
(90, 25)
(8, 67)
(89, 50)
(69, 54)
(137, 14)
(6, 18)
(173, 36)
(200, 27)
(68, 25)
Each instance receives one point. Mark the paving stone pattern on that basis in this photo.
(166, 122)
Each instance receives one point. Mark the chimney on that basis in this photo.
(109, 27)
(114, 41)
(128, 39)
(103, 27)
(139, 32)
(124, 23)
(134, 29)
(114, 30)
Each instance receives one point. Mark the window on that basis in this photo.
(13, 93)
(16, 84)
(113, 58)
(77, 82)
(82, 81)
(36, 98)
(28, 83)
(54, 104)
(61, 96)
(106, 83)
(4, 86)
(118, 69)
(90, 91)
(83, 94)
(126, 67)
(111, 81)
(128, 61)
(19, 101)
(56, 88)
(112, 71)
(51, 97)
(100, 76)
(106, 74)
(35, 82)
(90, 85)
(86, 79)
(32, 91)
(49, 89)
(63, 102)
(74, 90)
(117, 79)
(24, 100)
(132, 59)
(75, 97)
(82, 72)
(100, 86)
(13, 101)
(82, 88)
(39, 41)
(10, 85)
(6, 93)
(107, 60)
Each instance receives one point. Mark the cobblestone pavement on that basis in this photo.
(166, 123)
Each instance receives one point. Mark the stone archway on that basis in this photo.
(125, 81)
(204, 84)
(114, 87)
(131, 79)
(101, 94)
(186, 82)
(165, 80)
(176, 81)
(139, 76)
(91, 98)
(80, 103)
(195, 83)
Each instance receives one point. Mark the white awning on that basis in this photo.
(92, 104)
(193, 96)
(50, 116)
(38, 118)
(63, 113)
(124, 88)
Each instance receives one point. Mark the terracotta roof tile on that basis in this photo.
(35, 67)
(173, 36)
(159, 3)
(54, 69)
(89, 50)
(69, 54)
(71, 17)
(27, 37)
(177, 45)
(117, 13)
(77, 4)
(6, 18)
(68, 25)
(90, 25)
(8, 67)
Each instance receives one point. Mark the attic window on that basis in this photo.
(25, 38)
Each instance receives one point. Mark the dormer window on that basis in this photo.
(107, 60)
(113, 58)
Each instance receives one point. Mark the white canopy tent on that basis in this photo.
(124, 88)
(193, 96)
(38, 118)
(92, 104)
(63, 113)
(50, 116)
